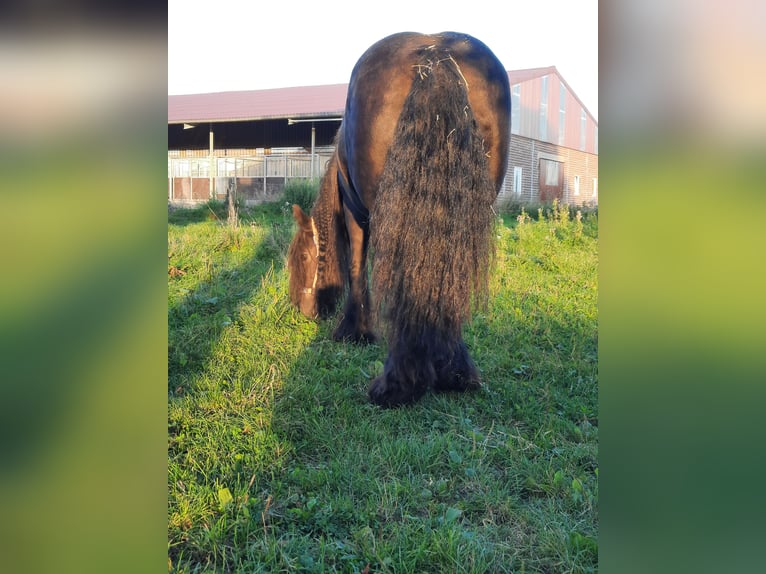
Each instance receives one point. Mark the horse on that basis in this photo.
(420, 156)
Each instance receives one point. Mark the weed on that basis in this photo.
(301, 191)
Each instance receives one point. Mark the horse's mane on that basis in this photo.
(327, 213)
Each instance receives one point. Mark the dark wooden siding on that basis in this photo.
(526, 154)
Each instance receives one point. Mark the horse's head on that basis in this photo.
(303, 263)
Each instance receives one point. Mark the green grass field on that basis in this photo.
(278, 463)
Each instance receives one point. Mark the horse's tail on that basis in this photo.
(432, 223)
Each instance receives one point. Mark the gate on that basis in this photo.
(255, 179)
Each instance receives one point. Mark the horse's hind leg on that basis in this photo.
(354, 323)
(458, 373)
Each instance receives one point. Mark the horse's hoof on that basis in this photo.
(383, 395)
(461, 382)
(342, 334)
(459, 375)
(366, 339)
(380, 394)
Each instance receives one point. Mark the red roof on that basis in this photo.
(306, 101)
(314, 101)
(519, 76)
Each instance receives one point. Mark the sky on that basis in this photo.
(231, 45)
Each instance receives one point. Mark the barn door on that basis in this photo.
(551, 180)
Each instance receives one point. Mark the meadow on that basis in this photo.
(277, 462)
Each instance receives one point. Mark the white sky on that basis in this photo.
(223, 45)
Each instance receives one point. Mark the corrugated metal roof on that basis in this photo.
(520, 76)
(297, 102)
(314, 101)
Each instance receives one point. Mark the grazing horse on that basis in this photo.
(420, 156)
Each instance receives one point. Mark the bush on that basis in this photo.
(302, 191)
(216, 208)
(552, 210)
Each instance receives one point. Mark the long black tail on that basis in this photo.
(432, 223)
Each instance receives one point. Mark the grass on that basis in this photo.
(301, 191)
(278, 463)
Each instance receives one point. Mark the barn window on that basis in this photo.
(595, 137)
(577, 185)
(550, 180)
(515, 108)
(549, 172)
(583, 125)
(595, 188)
(544, 109)
(517, 181)
(562, 112)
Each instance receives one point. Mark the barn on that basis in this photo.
(254, 142)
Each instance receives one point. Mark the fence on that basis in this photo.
(254, 179)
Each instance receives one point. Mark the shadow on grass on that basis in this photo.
(222, 283)
(231, 333)
(454, 479)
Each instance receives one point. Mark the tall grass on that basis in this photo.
(301, 191)
(278, 463)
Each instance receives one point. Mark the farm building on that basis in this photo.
(255, 141)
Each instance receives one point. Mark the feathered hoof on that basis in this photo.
(347, 333)
(460, 374)
(459, 386)
(389, 393)
(462, 381)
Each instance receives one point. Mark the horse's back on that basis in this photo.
(381, 81)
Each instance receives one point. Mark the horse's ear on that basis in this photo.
(303, 220)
